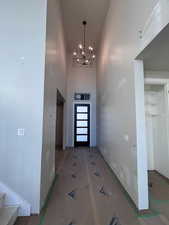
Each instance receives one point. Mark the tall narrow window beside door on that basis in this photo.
(82, 125)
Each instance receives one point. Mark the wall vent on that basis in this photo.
(81, 96)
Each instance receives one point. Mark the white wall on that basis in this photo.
(116, 95)
(55, 78)
(83, 80)
(24, 95)
(22, 57)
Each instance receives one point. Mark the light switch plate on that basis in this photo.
(126, 137)
(21, 132)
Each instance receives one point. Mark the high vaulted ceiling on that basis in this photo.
(75, 11)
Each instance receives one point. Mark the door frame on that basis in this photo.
(60, 100)
(73, 124)
(139, 144)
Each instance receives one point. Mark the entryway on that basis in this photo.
(82, 125)
(59, 121)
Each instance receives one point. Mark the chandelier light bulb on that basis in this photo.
(78, 60)
(93, 56)
(75, 53)
(90, 48)
(83, 53)
(86, 60)
(80, 46)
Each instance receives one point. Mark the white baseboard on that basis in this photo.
(13, 199)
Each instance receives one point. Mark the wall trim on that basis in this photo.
(13, 199)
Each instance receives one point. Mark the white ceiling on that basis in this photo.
(75, 11)
(156, 54)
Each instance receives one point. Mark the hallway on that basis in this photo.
(86, 192)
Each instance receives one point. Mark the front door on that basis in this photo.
(82, 125)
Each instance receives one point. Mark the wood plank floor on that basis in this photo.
(87, 193)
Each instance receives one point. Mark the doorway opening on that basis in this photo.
(81, 125)
(59, 122)
(156, 117)
(157, 137)
(153, 87)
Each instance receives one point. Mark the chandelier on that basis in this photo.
(84, 55)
